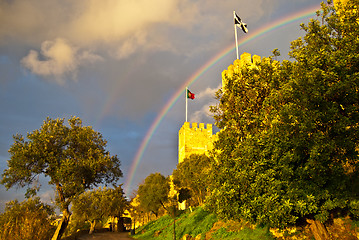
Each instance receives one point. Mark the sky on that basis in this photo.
(119, 65)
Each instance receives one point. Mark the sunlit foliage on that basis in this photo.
(28, 220)
(153, 193)
(288, 149)
(98, 205)
(191, 177)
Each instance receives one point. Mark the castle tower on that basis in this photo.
(195, 140)
(246, 59)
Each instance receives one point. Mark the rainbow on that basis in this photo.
(255, 34)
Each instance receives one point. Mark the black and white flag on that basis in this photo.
(238, 22)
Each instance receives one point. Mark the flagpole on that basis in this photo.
(235, 33)
(186, 101)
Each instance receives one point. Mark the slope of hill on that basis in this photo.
(200, 224)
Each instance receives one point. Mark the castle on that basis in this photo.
(199, 139)
(195, 140)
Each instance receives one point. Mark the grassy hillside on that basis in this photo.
(204, 225)
(200, 224)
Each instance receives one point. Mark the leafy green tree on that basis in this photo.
(243, 182)
(193, 174)
(73, 157)
(321, 115)
(288, 146)
(137, 212)
(90, 206)
(98, 205)
(116, 205)
(153, 193)
(30, 219)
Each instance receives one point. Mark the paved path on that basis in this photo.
(106, 236)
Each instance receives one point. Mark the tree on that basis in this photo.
(116, 205)
(136, 211)
(73, 157)
(98, 205)
(27, 220)
(324, 116)
(90, 206)
(153, 193)
(288, 148)
(244, 183)
(193, 174)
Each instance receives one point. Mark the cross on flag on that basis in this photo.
(238, 22)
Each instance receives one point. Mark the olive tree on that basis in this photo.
(73, 157)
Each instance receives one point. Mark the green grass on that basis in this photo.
(195, 223)
(244, 234)
(148, 231)
(199, 222)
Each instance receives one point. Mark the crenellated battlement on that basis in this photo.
(195, 126)
(246, 59)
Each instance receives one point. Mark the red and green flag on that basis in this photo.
(190, 95)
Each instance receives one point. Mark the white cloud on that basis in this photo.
(208, 92)
(205, 98)
(202, 115)
(120, 24)
(57, 58)
(109, 20)
(118, 28)
(126, 27)
(130, 45)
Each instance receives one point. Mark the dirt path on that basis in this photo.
(106, 236)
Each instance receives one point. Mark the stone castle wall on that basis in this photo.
(194, 140)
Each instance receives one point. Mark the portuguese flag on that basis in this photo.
(190, 95)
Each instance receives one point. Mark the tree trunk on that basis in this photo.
(65, 212)
(318, 229)
(92, 226)
(120, 227)
(62, 225)
(112, 224)
(174, 229)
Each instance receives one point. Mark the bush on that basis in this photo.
(29, 219)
